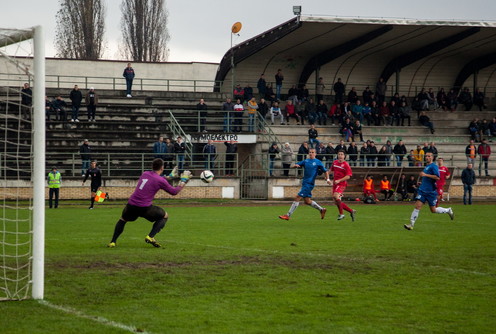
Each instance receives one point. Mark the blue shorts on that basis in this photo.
(306, 190)
(429, 197)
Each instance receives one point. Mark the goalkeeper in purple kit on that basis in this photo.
(140, 202)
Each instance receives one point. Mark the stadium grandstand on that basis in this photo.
(409, 55)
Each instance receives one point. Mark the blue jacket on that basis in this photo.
(128, 73)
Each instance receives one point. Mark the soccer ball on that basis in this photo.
(207, 176)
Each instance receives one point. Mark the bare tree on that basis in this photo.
(144, 30)
(80, 29)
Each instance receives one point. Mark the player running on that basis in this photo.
(427, 192)
(444, 175)
(96, 181)
(140, 202)
(312, 168)
(342, 172)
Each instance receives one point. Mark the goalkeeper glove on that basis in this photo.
(185, 176)
(174, 173)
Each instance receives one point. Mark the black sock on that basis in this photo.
(119, 228)
(92, 201)
(157, 227)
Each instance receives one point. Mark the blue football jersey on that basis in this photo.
(429, 184)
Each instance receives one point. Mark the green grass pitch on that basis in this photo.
(237, 269)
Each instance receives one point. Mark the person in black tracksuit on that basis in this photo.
(96, 180)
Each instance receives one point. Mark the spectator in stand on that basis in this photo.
(389, 152)
(444, 175)
(159, 148)
(239, 93)
(423, 98)
(262, 86)
(275, 111)
(352, 153)
(91, 103)
(452, 99)
(291, 112)
(311, 111)
(59, 106)
(381, 156)
(321, 111)
(399, 151)
(263, 110)
(303, 93)
(405, 111)
(270, 95)
(279, 78)
(286, 158)
(394, 109)
(228, 108)
(380, 90)
(357, 111)
(396, 99)
(76, 98)
(471, 152)
(313, 135)
(479, 99)
(48, 108)
(372, 154)
(465, 98)
(209, 152)
(339, 90)
(468, 180)
(375, 113)
(418, 156)
(201, 108)
(492, 128)
(239, 109)
(412, 186)
(330, 154)
(401, 189)
(426, 148)
(347, 130)
(368, 187)
(26, 101)
(433, 150)
(340, 147)
(386, 188)
(320, 151)
(416, 106)
(85, 152)
(473, 129)
(385, 114)
(357, 130)
(411, 159)
(484, 129)
(335, 114)
(364, 152)
(301, 112)
(248, 92)
(442, 99)
(319, 90)
(273, 152)
(252, 107)
(302, 153)
(432, 99)
(484, 151)
(367, 113)
(352, 96)
(169, 157)
(231, 150)
(129, 76)
(425, 121)
(366, 95)
(179, 150)
(346, 111)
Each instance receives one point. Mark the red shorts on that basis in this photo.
(440, 189)
(339, 188)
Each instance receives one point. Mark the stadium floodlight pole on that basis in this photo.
(38, 169)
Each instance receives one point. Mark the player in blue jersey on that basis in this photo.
(427, 192)
(312, 168)
(140, 202)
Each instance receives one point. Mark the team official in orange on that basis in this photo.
(368, 187)
(386, 188)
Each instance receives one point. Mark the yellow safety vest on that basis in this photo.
(54, 180)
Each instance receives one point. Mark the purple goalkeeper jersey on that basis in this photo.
(148, 185)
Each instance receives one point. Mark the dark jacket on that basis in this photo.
(302, 153)
(399, 149)
(85, 151)
(76, 97)
(273, 151)
(468, 176)
(179, 148)
(353, 152)
(128, 73)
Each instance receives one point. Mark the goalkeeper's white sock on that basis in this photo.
(414, 216)
(293, 207)
(315, 205)
(441, 210)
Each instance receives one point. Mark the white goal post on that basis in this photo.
(22, 160)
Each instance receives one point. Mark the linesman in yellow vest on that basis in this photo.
(54, 180)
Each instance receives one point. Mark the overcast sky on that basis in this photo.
(201, 29)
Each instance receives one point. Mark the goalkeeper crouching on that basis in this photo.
(140, 202)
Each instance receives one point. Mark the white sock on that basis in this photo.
(414, 216)
(316, 206)
(441, 210)
(292, 208)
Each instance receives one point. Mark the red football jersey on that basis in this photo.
(443, 175)
(341, 169)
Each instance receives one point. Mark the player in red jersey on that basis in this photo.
(444, 175)
(342, 172)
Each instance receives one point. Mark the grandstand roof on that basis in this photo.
(422, 53)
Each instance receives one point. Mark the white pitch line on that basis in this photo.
(101, 320)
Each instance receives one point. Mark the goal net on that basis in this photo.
(22, 147)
